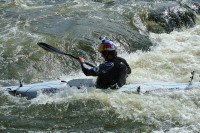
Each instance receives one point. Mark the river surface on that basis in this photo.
(74, 26)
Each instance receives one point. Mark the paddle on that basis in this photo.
(57, 51)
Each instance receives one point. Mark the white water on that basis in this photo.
(171, 59)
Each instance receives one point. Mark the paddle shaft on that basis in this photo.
(60, 52)
(55, 50)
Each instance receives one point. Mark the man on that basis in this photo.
(113, 72)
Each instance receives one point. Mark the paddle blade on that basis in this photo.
(57, 51)
(49, 48)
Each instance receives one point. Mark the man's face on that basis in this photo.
(102, 54)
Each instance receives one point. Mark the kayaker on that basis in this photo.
(113, 72)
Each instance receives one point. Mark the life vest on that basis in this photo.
(116, 75)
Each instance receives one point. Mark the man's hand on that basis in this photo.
(81, 60)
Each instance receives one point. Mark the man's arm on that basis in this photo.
(128, 70)
(88, 71)
(95, 71)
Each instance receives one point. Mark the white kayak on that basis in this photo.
(33, 90)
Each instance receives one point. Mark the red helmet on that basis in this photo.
(107, 45)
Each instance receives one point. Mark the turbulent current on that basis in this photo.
(158, 38)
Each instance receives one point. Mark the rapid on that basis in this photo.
(155, 50)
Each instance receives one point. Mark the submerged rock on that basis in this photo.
(166, 18)
(84, 29)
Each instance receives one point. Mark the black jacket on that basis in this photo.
(112, 73)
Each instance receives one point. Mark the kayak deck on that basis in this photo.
(32, 90)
